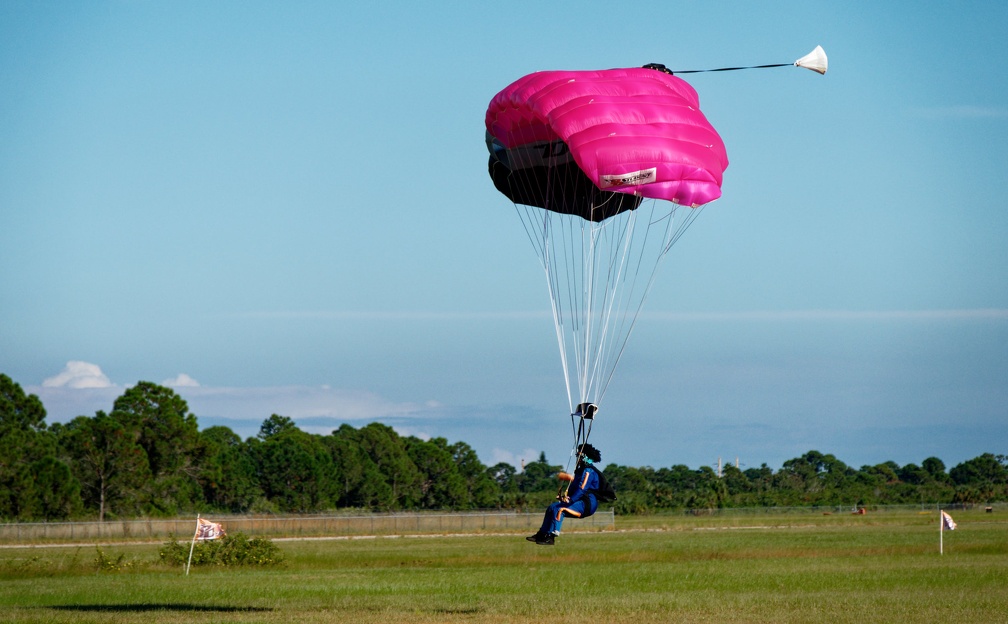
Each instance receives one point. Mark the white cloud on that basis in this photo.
(80, 389)
(421, 433)
(518, 460)
(401, 315)
(833, 315)
(963, 111)
(297, 402)
(181, 381)
(79, 375)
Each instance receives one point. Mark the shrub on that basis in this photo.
(104, 564)
(230, 550)
(632, 503)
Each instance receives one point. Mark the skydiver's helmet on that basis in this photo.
(589, 454)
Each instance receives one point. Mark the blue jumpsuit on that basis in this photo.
(582, 501)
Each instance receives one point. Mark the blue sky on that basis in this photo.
(285, 209)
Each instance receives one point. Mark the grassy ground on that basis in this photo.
(652, 569)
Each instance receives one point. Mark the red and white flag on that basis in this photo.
(948, 524)
(206, 530)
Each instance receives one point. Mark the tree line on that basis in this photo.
(148, 457)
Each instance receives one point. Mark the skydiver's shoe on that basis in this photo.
(535, 538)
(546, 540)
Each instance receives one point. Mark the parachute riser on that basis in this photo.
(722, 69)
(815, 60)
(582, 420)
(581, 425)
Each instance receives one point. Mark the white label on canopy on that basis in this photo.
(633, 178)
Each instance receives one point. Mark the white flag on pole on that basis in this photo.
(948, 524)
(205, 530)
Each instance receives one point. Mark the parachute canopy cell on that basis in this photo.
(594, 143)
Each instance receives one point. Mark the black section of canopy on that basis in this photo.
(562, 188)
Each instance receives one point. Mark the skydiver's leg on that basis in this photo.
(547, 524)
(559, 510)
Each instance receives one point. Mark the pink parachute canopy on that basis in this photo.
(635, 131)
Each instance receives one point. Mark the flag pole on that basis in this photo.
(941, 532)
(191, 546)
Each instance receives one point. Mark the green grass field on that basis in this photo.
(796, 568)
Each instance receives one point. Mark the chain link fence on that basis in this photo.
(840, 509)
(293, 526)
(363, 524)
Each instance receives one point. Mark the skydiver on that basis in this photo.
(580, 502)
